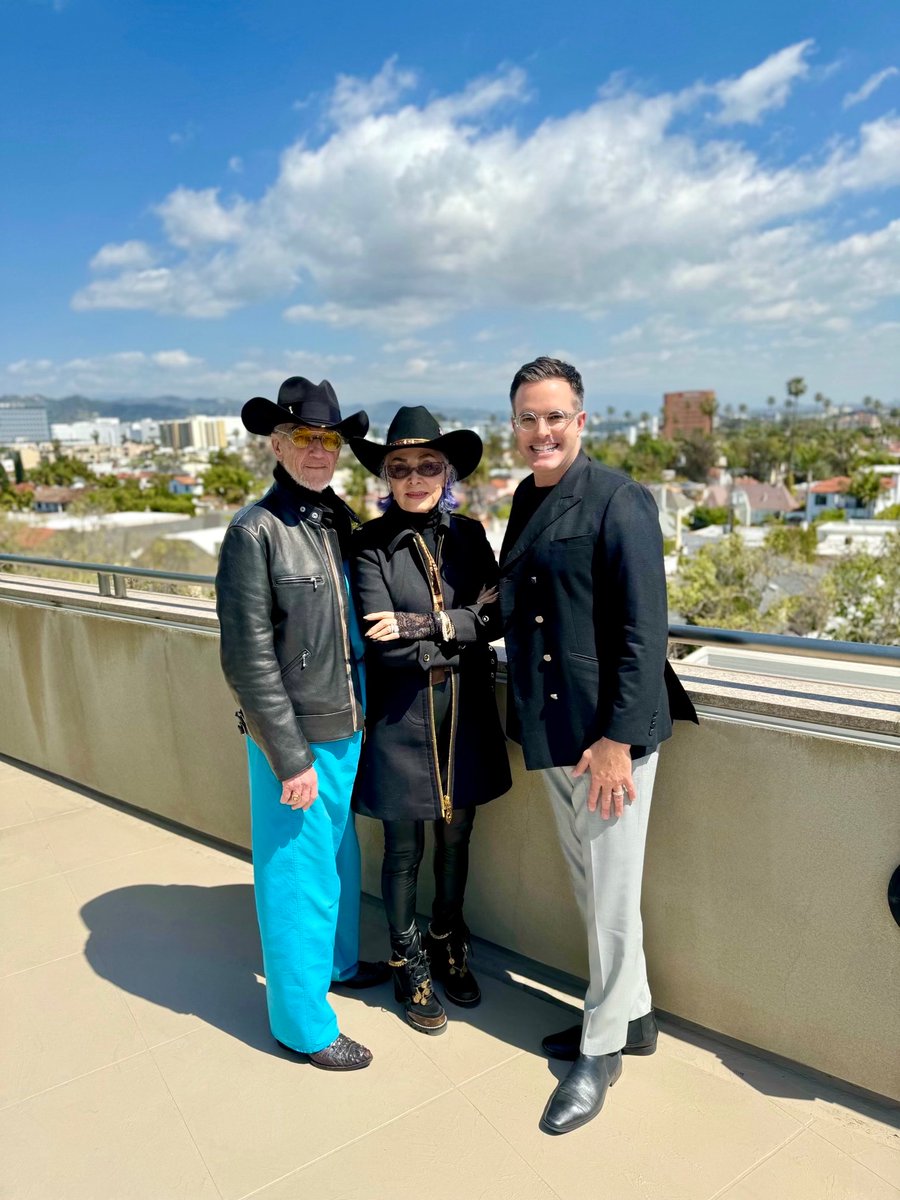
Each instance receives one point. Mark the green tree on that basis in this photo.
(357, 488)
(720, 586)
(62, 472)
(649, 457)
(703, 515)
(865, 487)
(792, 542)
(228, 478)
(697, 454)
(864, 591)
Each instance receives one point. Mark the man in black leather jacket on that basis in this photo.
(290, 653)
(583, 598)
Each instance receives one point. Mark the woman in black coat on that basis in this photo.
(425, 581)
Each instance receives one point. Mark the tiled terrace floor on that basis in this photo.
(135, 1060)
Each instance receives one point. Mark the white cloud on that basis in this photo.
(763, 88)
(406, 214)
(176, 359)
(122, 255)
(872, 84)
(354, 100)
(184, 137)
(192, 218)
(236, 164)
(155, 372)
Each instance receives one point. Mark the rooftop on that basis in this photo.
(135, 1059)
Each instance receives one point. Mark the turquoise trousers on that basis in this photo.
(306, 878)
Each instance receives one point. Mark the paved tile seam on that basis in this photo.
(487, 1070)
(184, 1122)
(116, 1062)
(350, 1142)
(37, 966)
(37, 879)
(723, 1191)
(849, 1154)
(500, 1134)
(101, 862)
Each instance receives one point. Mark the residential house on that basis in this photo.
(752, 502)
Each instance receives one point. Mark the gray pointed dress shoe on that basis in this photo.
(641, 1039)
(580, 1096)
(343, 1054)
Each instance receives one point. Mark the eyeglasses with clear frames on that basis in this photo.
(329, 439)
(557, 419)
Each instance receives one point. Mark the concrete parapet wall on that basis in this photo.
(767, 866)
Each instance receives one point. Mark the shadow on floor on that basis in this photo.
(189, 949)
(196, 950)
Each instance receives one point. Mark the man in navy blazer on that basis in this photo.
(583, 597)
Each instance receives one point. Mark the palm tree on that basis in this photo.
(795, 387)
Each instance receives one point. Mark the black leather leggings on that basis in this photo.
(404, 845)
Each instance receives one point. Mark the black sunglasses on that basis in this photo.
(428, 469)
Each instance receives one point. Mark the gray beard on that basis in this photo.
(314, 485)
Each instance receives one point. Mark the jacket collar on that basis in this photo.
(565, 496)
(405, 531)
(317, 508)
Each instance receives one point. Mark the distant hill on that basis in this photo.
(169, 408)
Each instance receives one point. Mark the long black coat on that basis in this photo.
(583, 594)
(398, 776)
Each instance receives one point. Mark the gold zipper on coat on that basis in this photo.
(433, 570)
(341, 591)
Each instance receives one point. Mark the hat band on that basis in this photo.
(410, 441)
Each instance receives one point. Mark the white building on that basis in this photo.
(103, 431)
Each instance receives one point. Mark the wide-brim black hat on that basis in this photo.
(415, 426)
(313, 404)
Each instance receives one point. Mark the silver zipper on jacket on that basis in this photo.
(315, 580)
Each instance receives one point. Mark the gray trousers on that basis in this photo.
(606, 859)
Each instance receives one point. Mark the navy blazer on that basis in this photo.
(585, 618)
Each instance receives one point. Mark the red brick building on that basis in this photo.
(685, 413)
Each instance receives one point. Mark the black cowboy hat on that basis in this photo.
(415, 426)
(305, 403)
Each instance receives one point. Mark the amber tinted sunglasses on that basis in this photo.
(330, 439)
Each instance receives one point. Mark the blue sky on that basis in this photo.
(411, 199)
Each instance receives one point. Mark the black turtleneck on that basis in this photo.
(336, 514)
(426, 524)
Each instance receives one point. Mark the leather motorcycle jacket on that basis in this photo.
(283, 613)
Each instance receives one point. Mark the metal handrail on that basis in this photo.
(693, 635)
(108, 569)
(783, 643)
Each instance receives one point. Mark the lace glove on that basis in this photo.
(418, 626)
(389, 626)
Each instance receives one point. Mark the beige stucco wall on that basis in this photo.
(767, 864)
(137, 710)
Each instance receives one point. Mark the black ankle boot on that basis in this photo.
(449, 954)
(412, 983)
(580, 1096)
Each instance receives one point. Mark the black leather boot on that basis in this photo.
(581, 1094)
(642, 1035)
(449, 955)
(412, 983)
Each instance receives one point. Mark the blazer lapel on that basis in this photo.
(549, 512)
